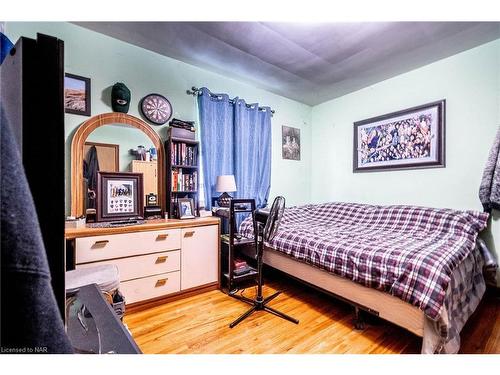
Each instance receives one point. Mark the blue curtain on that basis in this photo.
(235, 139)
(252, 151)
(217, 139)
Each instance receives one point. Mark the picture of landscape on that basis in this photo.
(77, 94)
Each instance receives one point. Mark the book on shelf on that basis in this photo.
(182, 181)
(239, 263)
(183, 154)
(242, 270)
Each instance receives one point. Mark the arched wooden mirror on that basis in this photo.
(121, 127)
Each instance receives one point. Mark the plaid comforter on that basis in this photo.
(409, 252)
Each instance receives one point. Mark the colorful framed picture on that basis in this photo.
(119, 196)
(408, 139)
(186, 208)
(76, 94)
(290, 143)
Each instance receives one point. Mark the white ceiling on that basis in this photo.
(307, 62)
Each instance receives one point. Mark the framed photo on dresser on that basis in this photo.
(119, 196)
(186, 208)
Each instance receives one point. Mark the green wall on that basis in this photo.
(107, 61)
(470, 83)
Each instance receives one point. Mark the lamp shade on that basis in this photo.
(225, 183)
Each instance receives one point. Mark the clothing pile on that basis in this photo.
(489, 191)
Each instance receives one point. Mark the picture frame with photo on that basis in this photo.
(119, 196)
(76, 94)
(412, 138)
(290, 143)
(185, 208)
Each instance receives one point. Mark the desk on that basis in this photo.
(96, 329)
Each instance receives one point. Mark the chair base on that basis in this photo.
(257, 305)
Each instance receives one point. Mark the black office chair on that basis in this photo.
(266, 230)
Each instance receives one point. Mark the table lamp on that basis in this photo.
(224, 184)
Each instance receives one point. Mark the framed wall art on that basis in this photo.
(119, 196)
(76, 94)
(290, 143)
(408, 139)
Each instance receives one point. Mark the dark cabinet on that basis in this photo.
(32, 96)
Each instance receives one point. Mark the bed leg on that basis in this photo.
(358, 321)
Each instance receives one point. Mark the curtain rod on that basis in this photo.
(195, 91)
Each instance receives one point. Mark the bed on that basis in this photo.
(418, 267)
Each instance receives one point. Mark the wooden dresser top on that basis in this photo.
(71, 233)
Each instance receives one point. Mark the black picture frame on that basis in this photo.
(77, 94)
(185, 208)
(418, 131)
(114, 204)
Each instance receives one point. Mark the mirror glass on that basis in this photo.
(118, 148)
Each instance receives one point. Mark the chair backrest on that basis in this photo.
(274, 218)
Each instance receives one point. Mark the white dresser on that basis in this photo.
(157, 260)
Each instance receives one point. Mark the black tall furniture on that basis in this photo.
(32, 89)
(264, 234)
(182, 171)
(232, 243)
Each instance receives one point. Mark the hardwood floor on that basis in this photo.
(199, 324)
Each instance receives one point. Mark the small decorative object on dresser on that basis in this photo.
(119, 196)
(152, 210)
(156, 109)
(76, 94)
(408, 139)
(224, 184)
(151, 199)
(186, 208)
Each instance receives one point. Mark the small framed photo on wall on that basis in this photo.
(290, 143)
(76, 94)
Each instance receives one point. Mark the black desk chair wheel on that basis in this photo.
(265, 234)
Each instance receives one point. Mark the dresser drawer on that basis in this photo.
(151, 287)
(92, 249)
(143, 265)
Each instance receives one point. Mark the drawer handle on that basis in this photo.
(189, 234)
(101, 243)
(162, 237)
(162, 259)
(161, 282)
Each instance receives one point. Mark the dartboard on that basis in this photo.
(156, 108)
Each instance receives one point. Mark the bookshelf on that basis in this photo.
(182, 171)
